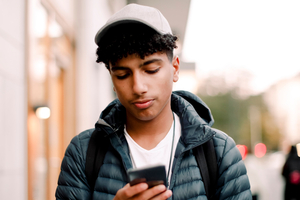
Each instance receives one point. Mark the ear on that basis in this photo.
(176, 67)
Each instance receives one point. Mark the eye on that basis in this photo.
(152, 71)
(123, 76)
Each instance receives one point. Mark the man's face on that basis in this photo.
(144, 86)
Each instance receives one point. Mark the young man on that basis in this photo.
(148, 123)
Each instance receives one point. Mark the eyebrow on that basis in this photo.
(115, 68)
(151, 61)
(148, 62)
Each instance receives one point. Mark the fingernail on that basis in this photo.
(169, 192)
(144, 186)
(161, 187)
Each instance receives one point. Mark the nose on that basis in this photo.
(139, 85)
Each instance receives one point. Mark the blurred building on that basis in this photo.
(62, 75)
(13, 100)
(283, 100)
(48, 61)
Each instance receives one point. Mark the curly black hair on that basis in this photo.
(128, 39)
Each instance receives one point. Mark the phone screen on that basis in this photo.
(153, 175)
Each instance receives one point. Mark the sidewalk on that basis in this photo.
(265, 175)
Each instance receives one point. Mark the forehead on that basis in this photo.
(135, 59)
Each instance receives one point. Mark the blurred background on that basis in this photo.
(241, 57)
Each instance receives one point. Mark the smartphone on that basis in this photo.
(153, 175)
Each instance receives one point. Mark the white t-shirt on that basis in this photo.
(160, 154)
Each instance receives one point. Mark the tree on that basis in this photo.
(230, 106)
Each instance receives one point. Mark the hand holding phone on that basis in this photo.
(153, 175)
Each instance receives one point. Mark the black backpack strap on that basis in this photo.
(207, 163)
(94, 157)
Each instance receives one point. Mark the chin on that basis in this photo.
(145, 116)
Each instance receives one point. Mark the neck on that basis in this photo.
(148, 134)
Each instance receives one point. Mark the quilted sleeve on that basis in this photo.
(233, 182)
(72, 183)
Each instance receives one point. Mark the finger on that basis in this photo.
(163, 196)
(129, 191)
(153, 192)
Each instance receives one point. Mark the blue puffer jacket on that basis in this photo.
(186, 181)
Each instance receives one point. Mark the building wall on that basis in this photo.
(283, 100)
(94, 88)
(13, 105)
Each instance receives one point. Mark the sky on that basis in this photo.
(260, 36)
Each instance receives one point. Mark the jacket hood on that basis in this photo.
(197, 104)
(192, 111)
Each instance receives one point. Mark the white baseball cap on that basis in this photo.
(134, 13)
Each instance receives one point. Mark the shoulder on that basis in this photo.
(84, 137)
(225, 147)
(72, 180)
(222, 140)
(79, 144)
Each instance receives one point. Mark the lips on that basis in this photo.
(143, 104)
